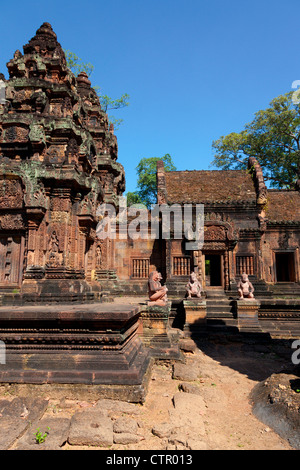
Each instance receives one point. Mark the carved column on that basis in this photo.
(232, 273)
(199, 261)
(168, 259)
(60, 221)
(81, 247)
(226, 270)
(33, 270)
(32, 230)
(34, 216)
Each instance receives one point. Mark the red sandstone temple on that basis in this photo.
(58, 162)
(248, 228)
(58, 165)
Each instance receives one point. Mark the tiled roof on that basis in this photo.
(211, 186)
(283, 206)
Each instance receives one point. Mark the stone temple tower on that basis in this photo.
(58, 161)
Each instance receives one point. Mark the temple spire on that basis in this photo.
(45, 43)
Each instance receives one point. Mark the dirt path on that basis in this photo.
(202, 403)
(225, 375)
(224, 382)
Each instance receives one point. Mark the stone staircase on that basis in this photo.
(220, 309)
(261, 289)
(286, 290)
(177, 288)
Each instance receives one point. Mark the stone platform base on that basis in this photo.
(195, 316)
(87, 345)
(247, 315)
(135, 393)
(156, 335)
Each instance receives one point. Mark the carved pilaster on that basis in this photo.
(226, 270)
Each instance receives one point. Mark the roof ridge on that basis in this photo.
(207, 171)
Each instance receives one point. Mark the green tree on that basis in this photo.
(146, 184)
(133, 198)
(108, 104)
(76, 65)
(273, 137)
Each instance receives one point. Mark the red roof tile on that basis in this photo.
(283, 206)
(215, 186)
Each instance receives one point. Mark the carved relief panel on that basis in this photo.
(10, 260)
(11, 192)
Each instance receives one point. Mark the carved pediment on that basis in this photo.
(220, 226)
(215, 232)
(219, 232)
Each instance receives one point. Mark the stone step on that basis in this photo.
(218, 311)
(219, 302)
(286, 285)
(286, 289)
(216, 297)
(220, 315)
(219, 307)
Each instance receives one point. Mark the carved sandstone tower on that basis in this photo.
(57, 163)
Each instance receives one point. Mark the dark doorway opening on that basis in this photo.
(213, 274)
(285, 267)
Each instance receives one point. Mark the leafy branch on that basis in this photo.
(76, 65)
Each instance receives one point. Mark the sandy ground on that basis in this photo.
(226, 375)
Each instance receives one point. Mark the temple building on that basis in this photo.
(60, 319)
(247, 228)
(58, 163)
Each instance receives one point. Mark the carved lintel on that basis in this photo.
(35, 214)
(85, 220)
(12, 222)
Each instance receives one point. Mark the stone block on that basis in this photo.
(247, 315)
(91, 428)
(156, 333)
(195, 314)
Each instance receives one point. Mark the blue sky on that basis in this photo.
(194, 69)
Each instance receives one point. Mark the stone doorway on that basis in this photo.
(285, 267)
(213, 270)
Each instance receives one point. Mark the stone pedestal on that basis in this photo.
(54, 284)
(156, 331)
(247, 315)
(87, 345)
(195, 316)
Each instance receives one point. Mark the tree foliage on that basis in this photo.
(146, 184)
(108, 104)
(76, 65)
(273, 137)
(133, 198)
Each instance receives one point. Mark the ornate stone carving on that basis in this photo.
(72, 151)
(12, 222)
(157, 293)
(245, 288)
(54, 257)
(37, 133)
(261, 188)
(215, 232)
(193, 288)
(11, 192)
